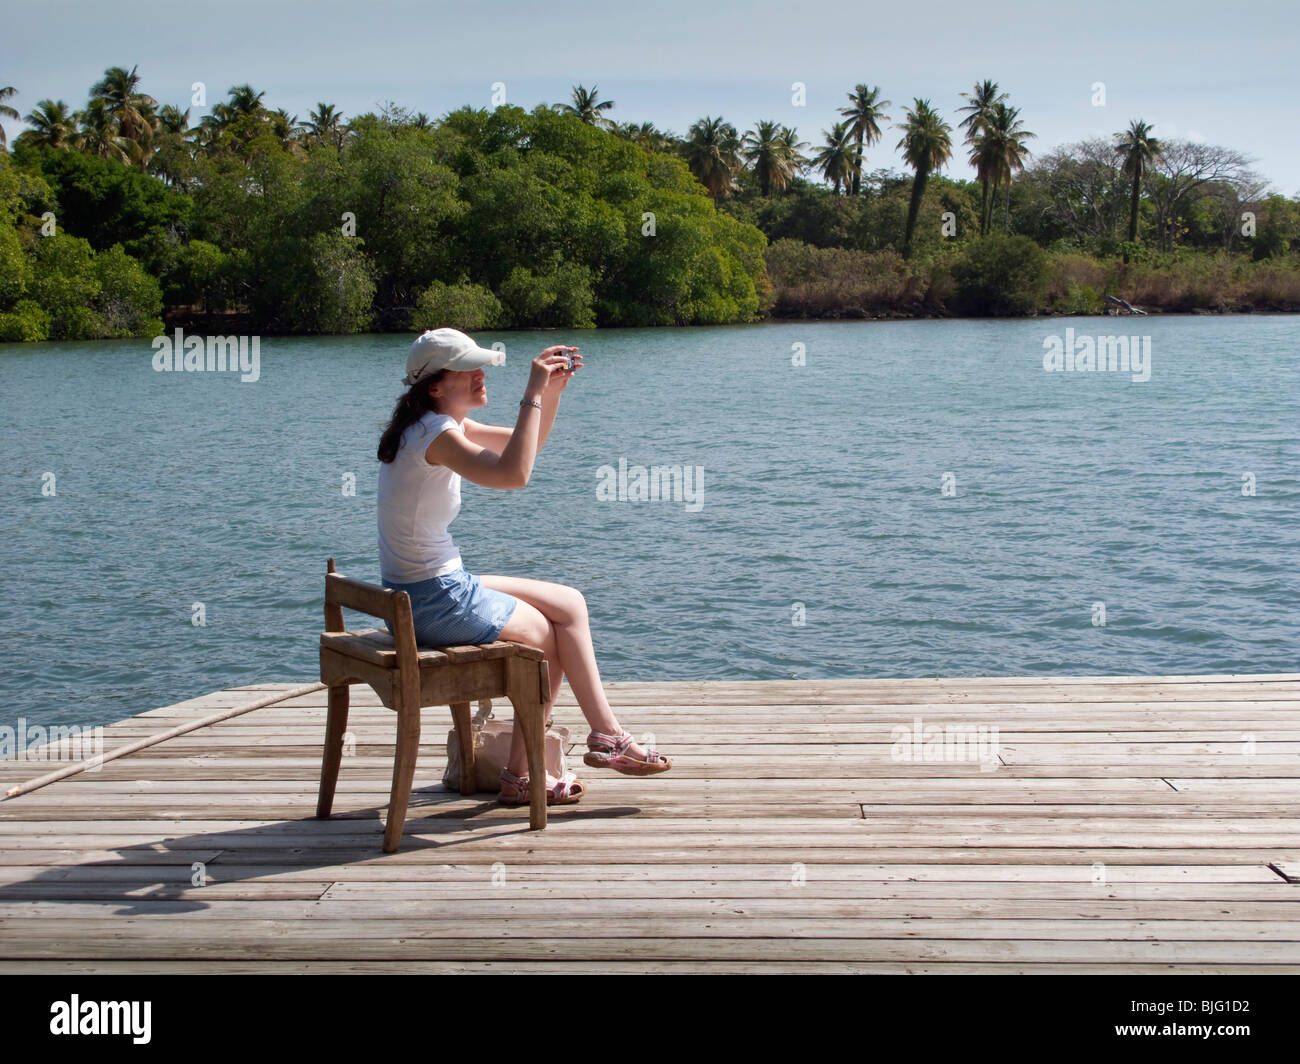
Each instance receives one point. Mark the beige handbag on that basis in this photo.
(492, 740)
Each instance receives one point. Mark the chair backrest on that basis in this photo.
(391, 607)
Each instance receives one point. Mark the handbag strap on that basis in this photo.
(483, 713)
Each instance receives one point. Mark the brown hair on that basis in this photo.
(410, 408)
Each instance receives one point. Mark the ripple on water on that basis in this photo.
(824, 549)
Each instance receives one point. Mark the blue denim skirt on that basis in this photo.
(456, 609)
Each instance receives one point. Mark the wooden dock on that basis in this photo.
(1124, 824)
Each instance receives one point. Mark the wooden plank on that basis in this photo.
(765, 916)
(544, 895)
(270, 943)
(582, 831)
(144, 894)
(995, 787)
(589, 876)
(419, 853)
(244, 966)
(89, 926)
(738, 766)
(486, 813)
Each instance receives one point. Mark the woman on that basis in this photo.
(426, 449)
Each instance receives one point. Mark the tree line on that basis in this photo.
(114, 214)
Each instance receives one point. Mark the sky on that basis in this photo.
(1225, 73)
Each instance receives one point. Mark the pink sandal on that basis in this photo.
(565, 791)
(608, 751)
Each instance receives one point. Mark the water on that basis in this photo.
(822, 495)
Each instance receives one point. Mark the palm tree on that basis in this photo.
(998, 151)
(797, 158)
(711, 151)
(587, 106)
(172, 152)
(1139, 149)
(173, 120)
(97, 133)
(773, 153)
(240, 118)
(326, 123)
(979, 105)
(647, 135)
(864, 113)
(133, 111)
(286, 129)
(52, 126)
(836, 159)
(8, 92)
(245, 102)
(927, 146)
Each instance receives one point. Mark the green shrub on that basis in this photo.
(15, 266)
(560, 298)
(463, 306)
(341, 288)
(200, 273)
(1078, 299)
(77, 323)
(129, 302)
(64, 284)
(1000, 275)
(26, 322)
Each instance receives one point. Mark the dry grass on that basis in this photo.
(811, 282)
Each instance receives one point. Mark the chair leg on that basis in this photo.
(408, 748)
(523, 690)
(336, 723)
(465, 736)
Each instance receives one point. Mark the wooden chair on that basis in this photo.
(407, 677)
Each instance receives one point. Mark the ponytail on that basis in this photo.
(410, 408)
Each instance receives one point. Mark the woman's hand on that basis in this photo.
(548, 373)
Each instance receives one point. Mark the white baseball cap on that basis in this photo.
(436, 349)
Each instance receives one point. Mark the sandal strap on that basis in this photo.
(616, 743)
(563, 786)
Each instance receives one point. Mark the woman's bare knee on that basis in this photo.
(577, 604)
(558, 602)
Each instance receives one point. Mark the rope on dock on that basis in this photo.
(151, 740)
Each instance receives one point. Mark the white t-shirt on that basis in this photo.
(417, 501)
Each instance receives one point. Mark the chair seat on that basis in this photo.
(375, 645)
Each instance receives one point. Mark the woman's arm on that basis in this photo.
(495, 437)
(513, 465)
(550, 407)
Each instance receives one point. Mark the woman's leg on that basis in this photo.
(528, 625)
(566, 611)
